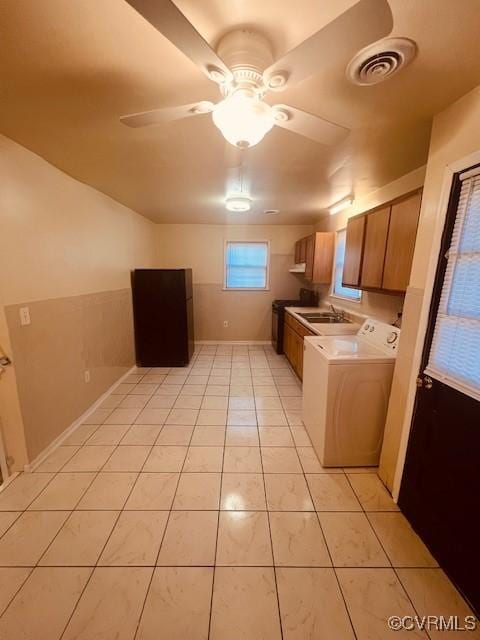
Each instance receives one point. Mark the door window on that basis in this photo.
(455, 351)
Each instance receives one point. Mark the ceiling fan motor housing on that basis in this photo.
(247, 53)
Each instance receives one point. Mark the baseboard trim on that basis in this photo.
(234, 342)
(31, 466)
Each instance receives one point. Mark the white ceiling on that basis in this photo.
(69, 70)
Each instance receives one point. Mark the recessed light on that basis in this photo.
(271, 212)
(341, 205)
(238, 204)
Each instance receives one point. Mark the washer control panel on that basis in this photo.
(382, 335)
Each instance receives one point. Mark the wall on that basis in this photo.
(201, 247)
(382, 306)
(66, 252)
(455, 135)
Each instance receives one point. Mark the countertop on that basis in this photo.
(327, 329)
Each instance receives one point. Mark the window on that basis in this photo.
(455, 352)
(338, 289)
(246, 265)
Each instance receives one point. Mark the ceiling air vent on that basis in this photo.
(380, 60)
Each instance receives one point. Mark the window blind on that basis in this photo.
(454, 357)
(246, 265)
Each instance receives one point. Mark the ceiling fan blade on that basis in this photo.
(170, 21)
(365, 22)
(309, 125)
(159, 116)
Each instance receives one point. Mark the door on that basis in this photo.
(353, 251)
(401, 243)
(441, 481)
(375, 247)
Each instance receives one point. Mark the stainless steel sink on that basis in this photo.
(324, 318)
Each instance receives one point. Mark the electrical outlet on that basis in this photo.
(86, 375)
(24, 316)
(225, 323)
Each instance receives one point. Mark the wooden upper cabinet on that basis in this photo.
(297, 252)
(303, 250)
(353, 251)
(380, 244)
(309, 257)
(401, 243)
(319, 257)
(374, 248)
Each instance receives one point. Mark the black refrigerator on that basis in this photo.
(163, 317)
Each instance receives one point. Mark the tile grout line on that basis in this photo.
(188, 446)
(104, 545)
(365, 512)
(324, 538)
(103, 549)
(271, 545)
(217, 533)
(159, 547)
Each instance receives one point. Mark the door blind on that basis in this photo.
(454, 357)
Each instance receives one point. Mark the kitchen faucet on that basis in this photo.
(339, 314)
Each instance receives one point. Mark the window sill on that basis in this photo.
(338, 297)
(244, 289)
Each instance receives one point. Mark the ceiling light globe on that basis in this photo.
(238, 204)
(243, 119)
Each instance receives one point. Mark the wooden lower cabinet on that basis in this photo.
(293, 336)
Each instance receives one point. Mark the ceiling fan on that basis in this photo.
(244, 69)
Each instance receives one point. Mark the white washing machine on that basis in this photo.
(346, 387)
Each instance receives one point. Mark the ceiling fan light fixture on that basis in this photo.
(243, 118)
(341, 205)
(238, 203)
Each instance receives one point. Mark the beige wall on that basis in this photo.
(382, 306)
(66, 251)
(455, 135)
(201, 247)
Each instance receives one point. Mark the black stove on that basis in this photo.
(308, 298)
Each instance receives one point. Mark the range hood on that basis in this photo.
(298, 268)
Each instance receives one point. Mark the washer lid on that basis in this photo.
(345, 349)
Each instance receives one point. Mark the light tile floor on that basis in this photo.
(191, 505)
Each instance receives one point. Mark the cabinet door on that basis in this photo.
(353, 251)
(303, 250)
(289, 344)
(374, 248)
(299, 346)
(401, 243)
(297, 251)
(323, 257)
(309, 257)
